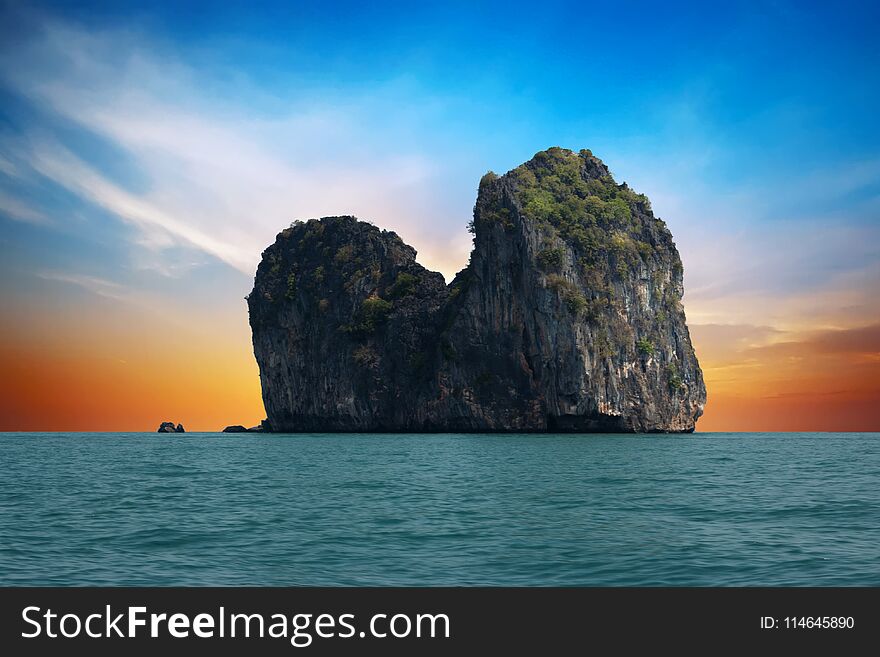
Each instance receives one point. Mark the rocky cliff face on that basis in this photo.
(568, 317)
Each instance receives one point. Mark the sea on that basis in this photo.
(193, 509)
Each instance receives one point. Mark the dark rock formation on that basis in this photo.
(168, 427)
(239, 428)
(567, 318)
(235, 428)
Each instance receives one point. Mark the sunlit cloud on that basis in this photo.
(222, 179)
(861, 341)
(61, 166)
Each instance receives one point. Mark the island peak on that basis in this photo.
(567, 318)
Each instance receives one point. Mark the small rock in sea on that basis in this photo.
(168, 427)
(235, 428)
(256, 429)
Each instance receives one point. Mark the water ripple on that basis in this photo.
(208, 509)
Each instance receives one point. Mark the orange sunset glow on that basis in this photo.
(826, 381)
(117, 375)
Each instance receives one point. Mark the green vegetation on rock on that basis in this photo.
(550, 259)
(594, 214)
(291, 286)
(574, 300)
(403, 286)
(373, 311)
(674, 378)
(365, 356)
(344, 254)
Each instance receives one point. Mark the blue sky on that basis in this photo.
(149, 151)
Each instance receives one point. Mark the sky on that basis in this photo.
(149, 151)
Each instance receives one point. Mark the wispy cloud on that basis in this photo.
(221, 175)
(750, 258)
(7, 168)
(94, 284)
(158, 227)
(18, 210)
(862, 342)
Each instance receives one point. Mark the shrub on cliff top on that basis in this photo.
(488, 177)
(591, 213)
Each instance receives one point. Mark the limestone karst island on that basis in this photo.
(568, 317)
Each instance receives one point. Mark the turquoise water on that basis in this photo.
(215, 509)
